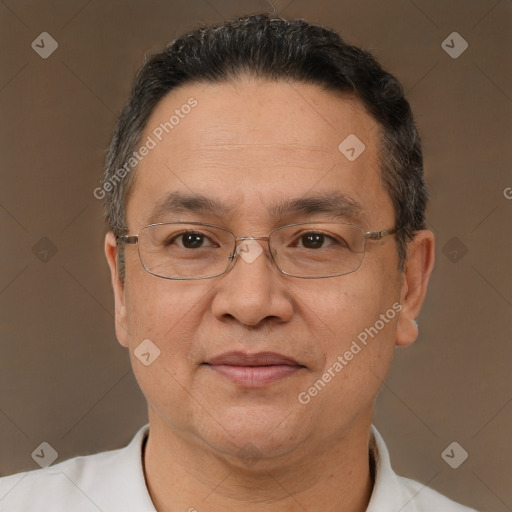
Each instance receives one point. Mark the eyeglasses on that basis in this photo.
(194, 250)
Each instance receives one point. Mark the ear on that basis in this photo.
(118, 286)
(418, 267)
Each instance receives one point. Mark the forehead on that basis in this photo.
(252, 144)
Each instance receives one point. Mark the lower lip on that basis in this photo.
(255, 376)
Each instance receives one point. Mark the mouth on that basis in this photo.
(254, 370)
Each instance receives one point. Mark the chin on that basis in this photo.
(251, 434)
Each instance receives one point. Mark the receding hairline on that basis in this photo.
(239, 77)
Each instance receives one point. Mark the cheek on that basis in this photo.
(357, 345)
(345, 305)
(352, 318)
(166, 312)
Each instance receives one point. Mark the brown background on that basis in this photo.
(63, 377)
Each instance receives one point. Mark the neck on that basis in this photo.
(185, 474)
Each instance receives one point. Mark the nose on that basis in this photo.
(253, 291)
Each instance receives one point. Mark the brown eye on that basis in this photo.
(190, 240)
(319, 240)
(313, 240)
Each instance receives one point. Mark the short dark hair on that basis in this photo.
(273, 48)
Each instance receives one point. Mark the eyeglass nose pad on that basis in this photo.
(234, 254)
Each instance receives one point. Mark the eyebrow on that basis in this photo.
(334, 204)
(177, 202)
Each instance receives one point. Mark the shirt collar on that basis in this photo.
(129, 476)
(388, 494)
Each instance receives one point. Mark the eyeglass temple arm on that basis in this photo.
(377, 235)
(128, 239)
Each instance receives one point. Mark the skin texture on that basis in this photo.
(249, 145)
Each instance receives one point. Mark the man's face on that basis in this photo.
(250, 147)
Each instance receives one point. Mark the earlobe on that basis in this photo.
(407, 331)
(419, 265)
(118, 287)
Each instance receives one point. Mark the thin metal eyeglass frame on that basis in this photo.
(368, 235)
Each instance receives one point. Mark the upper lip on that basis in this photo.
(257, 359)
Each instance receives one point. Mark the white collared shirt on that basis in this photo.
(114, 482)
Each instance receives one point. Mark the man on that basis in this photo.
(267, 244)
